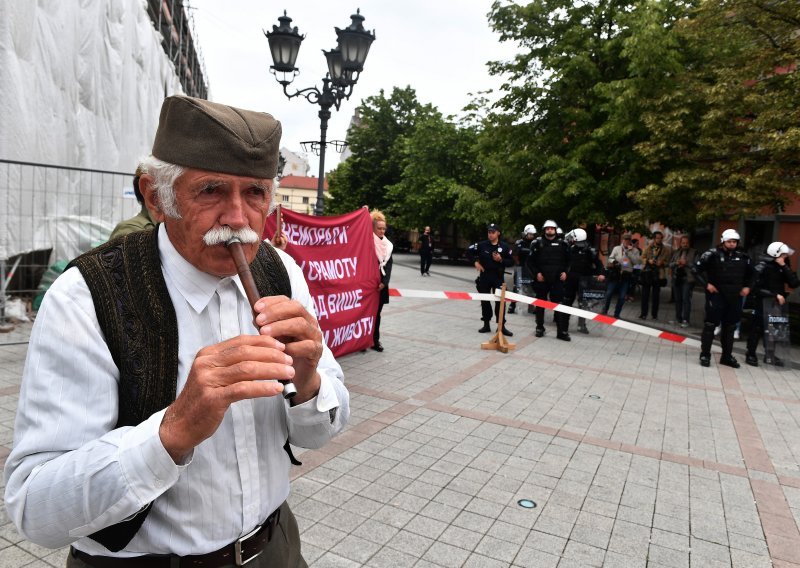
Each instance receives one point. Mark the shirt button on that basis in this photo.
(158, 482)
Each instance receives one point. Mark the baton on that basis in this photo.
(234, 246)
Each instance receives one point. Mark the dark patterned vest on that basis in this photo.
(138, 320)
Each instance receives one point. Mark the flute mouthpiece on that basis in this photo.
(232, 240)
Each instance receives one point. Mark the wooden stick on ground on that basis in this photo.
(498, 341)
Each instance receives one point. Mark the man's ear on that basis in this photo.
(148, 191)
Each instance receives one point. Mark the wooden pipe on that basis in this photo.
(234, 246)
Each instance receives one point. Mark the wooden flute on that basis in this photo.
(234, 246)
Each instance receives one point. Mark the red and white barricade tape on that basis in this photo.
(511, 296)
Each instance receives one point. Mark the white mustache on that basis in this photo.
(221, 235)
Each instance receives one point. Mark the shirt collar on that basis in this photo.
(197, 287)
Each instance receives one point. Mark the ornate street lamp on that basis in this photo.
(345, 63)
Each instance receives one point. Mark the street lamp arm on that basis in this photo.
(311, 94)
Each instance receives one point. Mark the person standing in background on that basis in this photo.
(425, 252)
(490, 257)
(725, 273)
(383, 250)
(522, 274)
(141, 220)
(683, 280)
(773, 274)
(655, 259)
(620, 264)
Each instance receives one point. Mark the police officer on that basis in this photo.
(725, 273)
(583, 264)
(490, 257)
(772, 274)
(548, 262)
(522, 275)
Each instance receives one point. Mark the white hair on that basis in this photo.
(164, 176)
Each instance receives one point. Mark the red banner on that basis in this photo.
(337, 256)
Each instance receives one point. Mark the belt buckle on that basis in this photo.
(237, 548)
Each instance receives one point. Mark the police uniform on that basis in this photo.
(729, 271)
(523, 280)
(493, 274)
(769, 280)
(550, 258)
(583, 263)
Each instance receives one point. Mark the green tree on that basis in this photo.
(375, 142)
(727, 136)
(439, 175)
(577, 165)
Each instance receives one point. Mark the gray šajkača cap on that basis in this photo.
(199, 134)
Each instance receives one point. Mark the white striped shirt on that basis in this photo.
(72, 473)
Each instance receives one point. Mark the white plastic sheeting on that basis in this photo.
(81, 84)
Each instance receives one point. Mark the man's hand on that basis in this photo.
(279, 241)
(539, 277)
(563, 276)
(744, 292)
(478, 266)
(781, 299)
(497, 257)
(222, 374)
(601, 278)
(290, 323)
(711, 288)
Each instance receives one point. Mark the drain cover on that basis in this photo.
(526, 503)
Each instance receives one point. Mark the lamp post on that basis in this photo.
(345, 63)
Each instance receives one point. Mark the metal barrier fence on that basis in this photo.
(49, 215)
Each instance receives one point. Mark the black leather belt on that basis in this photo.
(238, 553)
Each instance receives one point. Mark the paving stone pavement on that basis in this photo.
(633, 453)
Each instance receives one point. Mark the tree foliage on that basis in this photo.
(375, 142)
(612, 111)
(727, 135)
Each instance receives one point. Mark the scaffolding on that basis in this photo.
(173, 20)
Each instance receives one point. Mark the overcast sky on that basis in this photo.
(438, 47)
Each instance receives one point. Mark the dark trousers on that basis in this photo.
(617, 288)
(282, 551)
(721, 310)
(683, 290)
(486, 307)
(552, 290)
(425, 259)
(650, 290)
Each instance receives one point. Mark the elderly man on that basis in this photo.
(149, 431)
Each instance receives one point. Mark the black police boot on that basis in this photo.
(729, 361)
(506, 332)
(751, 359)
(726, 338)
(706, 339)
(539, 331)
(562, 325)
(486, 327)
(582, 326)
(512, 308)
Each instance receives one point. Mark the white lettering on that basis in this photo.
(304, 235)
(362, 327)
(343, 301)
(332, 269)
